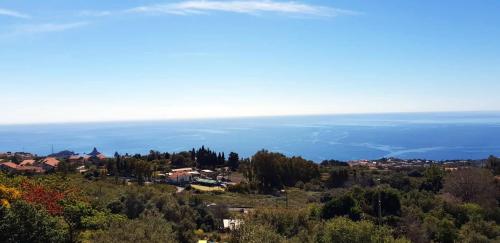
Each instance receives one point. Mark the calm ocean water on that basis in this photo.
(345, 137)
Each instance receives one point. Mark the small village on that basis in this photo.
(197, 179)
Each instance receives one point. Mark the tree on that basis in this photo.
(25, 223)
(233, 161)
(252, 232)
(73, 215)
(284, 221)
(134, 206)
(149, 228)
(389, 198)
(270, 171)
(433, 179)
(400, 182)
(338, 177)
(344, 230)
(344, 205)
(472, 185)
(479, 230)
(440, 230)
(493, 163)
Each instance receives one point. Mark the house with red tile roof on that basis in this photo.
(12, 168)
(8, 167)
(50, 163)
(179, 177)
(27, 162)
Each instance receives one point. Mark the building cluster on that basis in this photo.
(27, 163)
(396, 163)
(218, 178)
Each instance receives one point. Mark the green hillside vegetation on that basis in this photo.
(289, 199)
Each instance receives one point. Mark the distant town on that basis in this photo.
(215, 178)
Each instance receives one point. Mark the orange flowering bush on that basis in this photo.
(40, 195)
(7, 195)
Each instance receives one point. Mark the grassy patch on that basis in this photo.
(207, 189)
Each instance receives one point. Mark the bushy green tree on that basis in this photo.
(493, 163)
(440, 230)
(390, 203)
(252, 232)
(433, 178)
(148, 228)
(338, 176)
(26, 223)
(344, 230)
(478, 231)
(344, 205)
(286, 222)
(233, 161)
(271, 171)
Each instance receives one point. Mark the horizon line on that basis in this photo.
(240, 117)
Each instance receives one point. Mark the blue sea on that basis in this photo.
(437, 136)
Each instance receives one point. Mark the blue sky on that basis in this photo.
(95, 60)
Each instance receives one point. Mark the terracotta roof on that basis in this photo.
(27, 162)
(51, 161)
(9, 164)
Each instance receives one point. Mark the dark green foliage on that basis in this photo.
(343, 230)
(206, 158)
(390, 201)
(332, 162)
(344, 205)
(400, 182)
(252, 232)
(415, 173)
(271, 171)
(149, 228)
(440, 230)
(134, 206)
(286, 222)
(337, 177)
(25, 223)
(493, 163)
(433, 179)
(233, 161)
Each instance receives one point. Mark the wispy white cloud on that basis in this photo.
(247, 7)
(44, 28)
(12, 13)
(191, 7)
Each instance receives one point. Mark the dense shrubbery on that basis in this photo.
(271, 171)
(336, 203)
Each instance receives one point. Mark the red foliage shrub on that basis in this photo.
(40, 195)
